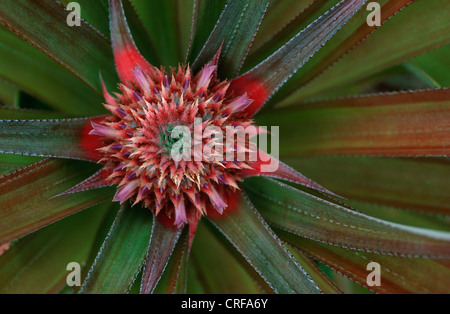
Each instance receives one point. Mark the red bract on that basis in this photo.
(138, 140)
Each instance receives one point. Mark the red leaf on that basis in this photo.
(126, 54)
(283, 172)
(97, 180)
(27, 196)
(162, 243)
(255, 89)
(280, 66)
(90, 143)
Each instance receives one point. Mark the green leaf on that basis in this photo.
(9, 163)
(221, 272)
(398, 274)
(435, 64)
(33, 72)
(97, 14)
(162, 244)
(280, 66)
(280, 13)
(236, 29)
(311, 217)
(251, 236)
(351, 35)
(205, 16)
(160, 21)
(140, 34)
(27, 196)
(283, 20)
(38, 262)
(81, 49)
(405, 183)
(29, 114)
(122, 253)
(8, 93)
(63, 138)
(401, 216)
(398, 124)
(399, 39)
(320, 278)
(173, 279)
(184, 16)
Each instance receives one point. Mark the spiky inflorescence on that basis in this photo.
(138, 141)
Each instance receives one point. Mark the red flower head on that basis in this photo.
(156, 113)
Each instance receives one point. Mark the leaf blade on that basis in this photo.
(93, 52)
(40, 182)
(162, 243)
(38, 263)
(121, 254)
(410, 184)
(63, 138)
(397, 124)
(263, 250)
(280, 66)
(236, 45)
(398, 274)
(371, 57)
(313, 218)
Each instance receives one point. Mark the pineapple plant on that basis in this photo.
(97, 96)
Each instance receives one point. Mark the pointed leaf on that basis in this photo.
(223, 271)
(320, 278)
(398, 274)
(405, 183)
(122, 254)
(162, 244)
(184, 15)
(96, 181)
(270, 74)
(311, 217)
(127, 56)
(140, 35)
(405, 39)
(251, 236)
(399, 124)
(176, 266)
(26, 196)
(35, 73)
(18, 113)
(282, 171)
(65, 138)
(82, 50)
(283, 20)
(204, 18)
(236, 29)
(401, 216)
(38, 263)
(160, 21)
(350, 36)
(10, 163)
